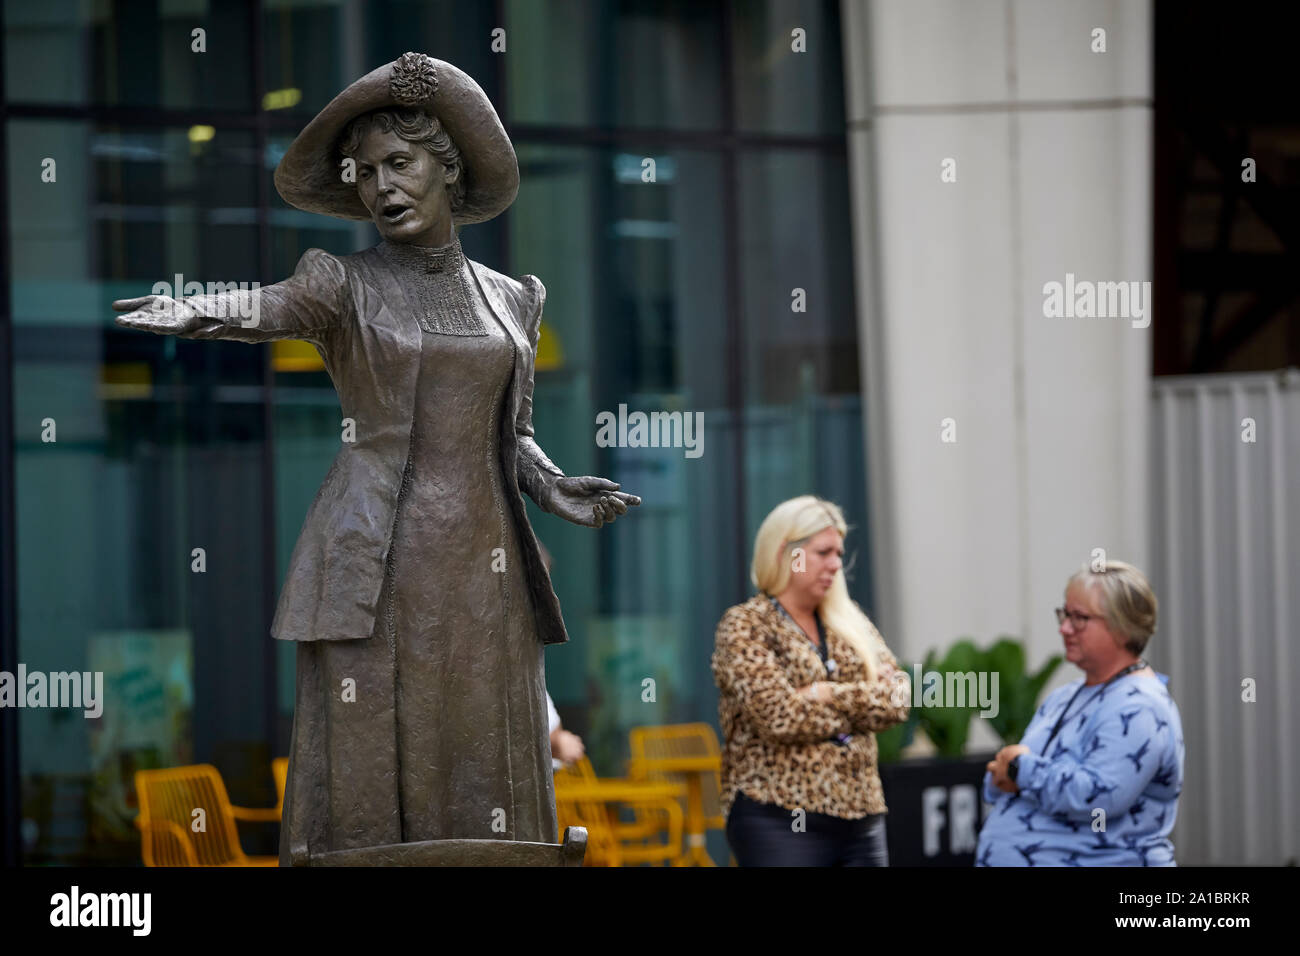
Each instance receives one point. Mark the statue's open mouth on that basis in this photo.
(394, 212)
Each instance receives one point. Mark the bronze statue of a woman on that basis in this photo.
(416, 590)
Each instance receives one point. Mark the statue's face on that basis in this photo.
(405, 189)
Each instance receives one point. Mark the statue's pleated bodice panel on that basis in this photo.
(471, 703)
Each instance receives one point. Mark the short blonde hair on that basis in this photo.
(1128, 603)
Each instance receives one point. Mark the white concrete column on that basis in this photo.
(1051, 144)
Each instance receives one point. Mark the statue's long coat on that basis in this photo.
(357, 314)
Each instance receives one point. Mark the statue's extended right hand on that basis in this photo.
(157, 313)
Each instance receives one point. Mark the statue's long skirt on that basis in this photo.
(435, 727)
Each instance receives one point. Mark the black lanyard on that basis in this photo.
(840, 740)
(1060, 721)
(829, 664)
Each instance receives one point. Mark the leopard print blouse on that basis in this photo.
(779, 746)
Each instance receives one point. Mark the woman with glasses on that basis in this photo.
(804, 682)
(1096, 778)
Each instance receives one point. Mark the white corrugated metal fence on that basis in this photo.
(1225, 517)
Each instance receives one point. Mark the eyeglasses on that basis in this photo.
(1078, 620)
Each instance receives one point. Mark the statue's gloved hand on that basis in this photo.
(158, 313)
(587, 500)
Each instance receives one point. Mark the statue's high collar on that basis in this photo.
(423, 258)
(439, 286)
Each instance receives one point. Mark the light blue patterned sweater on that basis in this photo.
(1120, 751)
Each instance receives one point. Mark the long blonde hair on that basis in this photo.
(788, 526)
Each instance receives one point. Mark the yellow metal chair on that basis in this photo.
(280, 771)
(582, 796)
(602, 846)
(168, 799)
(688, 753)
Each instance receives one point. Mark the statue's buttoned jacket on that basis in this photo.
(358, 314)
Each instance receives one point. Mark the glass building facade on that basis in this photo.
(684, 197)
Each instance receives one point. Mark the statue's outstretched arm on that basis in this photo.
(307, 306)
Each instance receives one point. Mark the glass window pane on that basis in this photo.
(635, 317)
(103, 212)
(360, 37)
(130, 54)
(780, 89)
(803, 410)
(299, 79)
(624, 64)
(139, 474)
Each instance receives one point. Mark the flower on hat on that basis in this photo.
(414, 80)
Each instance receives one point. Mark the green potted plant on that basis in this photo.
(948, 724)
(934, 801)
(1018, 689)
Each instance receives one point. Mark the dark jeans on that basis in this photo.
(762, 834)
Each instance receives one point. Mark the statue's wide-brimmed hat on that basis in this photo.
(310, 175)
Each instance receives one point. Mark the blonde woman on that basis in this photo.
(805, 681)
